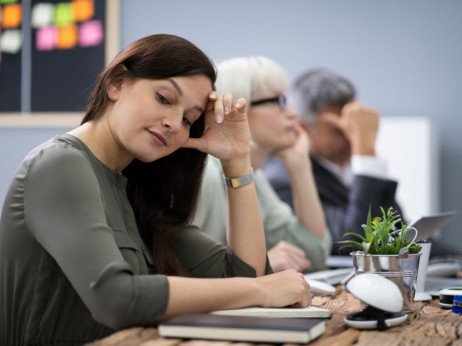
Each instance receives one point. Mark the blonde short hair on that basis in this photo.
(251, 77)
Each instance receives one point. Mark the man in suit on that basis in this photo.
(348, 174)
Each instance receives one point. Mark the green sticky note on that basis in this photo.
(63, 14)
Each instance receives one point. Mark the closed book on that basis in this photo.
(243, 328)
(308, 312)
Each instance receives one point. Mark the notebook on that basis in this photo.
(243, 328)
(310, 311)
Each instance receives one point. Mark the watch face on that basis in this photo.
(235, 182)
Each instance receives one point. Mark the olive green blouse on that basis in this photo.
(73, 267)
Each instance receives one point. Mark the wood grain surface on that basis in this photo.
(429, 325)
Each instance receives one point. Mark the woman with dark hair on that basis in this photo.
(95, 231)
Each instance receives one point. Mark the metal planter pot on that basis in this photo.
(401, 269)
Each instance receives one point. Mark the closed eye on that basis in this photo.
(187, 122)
(162, 99)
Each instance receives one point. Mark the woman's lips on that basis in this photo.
(158, 138)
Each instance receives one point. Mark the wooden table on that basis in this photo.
(428, 325)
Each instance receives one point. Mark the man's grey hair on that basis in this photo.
(317, 89)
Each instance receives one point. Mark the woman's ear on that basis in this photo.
(115, 84)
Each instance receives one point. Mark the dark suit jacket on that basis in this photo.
(345, 208)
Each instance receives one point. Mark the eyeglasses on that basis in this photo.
(280, 100)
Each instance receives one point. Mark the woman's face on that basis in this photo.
(150, 118)
(272, 123)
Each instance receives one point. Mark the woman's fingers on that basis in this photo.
(286, 256)
(241, 105)
(285, 288)
(228, 103)
(224, 106)
(226, 134)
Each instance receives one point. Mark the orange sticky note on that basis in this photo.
(67, 36)
(11, 16)
(83, 9)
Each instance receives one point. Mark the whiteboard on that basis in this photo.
(411, 148)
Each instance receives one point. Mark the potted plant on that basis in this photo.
(387, 250)
(382, 237)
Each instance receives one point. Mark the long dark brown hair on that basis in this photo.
(163, 193)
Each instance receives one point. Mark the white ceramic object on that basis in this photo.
(377, 291)
(319, 288)
(420, 294)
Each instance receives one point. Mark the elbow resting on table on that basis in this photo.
(114, 300)
(114, 311)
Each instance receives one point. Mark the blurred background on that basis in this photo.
(404, 58)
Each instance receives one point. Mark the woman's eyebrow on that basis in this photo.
(180, 92)
(176, 86)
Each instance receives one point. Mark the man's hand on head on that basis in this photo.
(360, 125)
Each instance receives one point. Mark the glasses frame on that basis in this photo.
(281, 100)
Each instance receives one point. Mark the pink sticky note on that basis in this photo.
(91, 33)
(46, 38)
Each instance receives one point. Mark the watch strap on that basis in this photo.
(239, 181)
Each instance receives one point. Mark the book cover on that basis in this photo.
(308, 312)
(243, 328)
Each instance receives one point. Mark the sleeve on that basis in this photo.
(276, 173)
(210, 218)
(370, 166)
(281, 223)
(365, 191)
(211, 212)
(65, 214)
(202, 256)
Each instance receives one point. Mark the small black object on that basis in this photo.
(372, 314)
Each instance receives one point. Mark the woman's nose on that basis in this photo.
(173, 122)
(290, 112)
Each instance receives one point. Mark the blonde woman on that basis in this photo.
(297, 240)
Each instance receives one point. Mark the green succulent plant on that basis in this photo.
(381, 236)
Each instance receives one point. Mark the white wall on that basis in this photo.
(411, 149)
(15, 143)
(404, 57)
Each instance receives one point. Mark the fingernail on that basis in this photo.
(226, 110)
(238, 105)
(219, 118)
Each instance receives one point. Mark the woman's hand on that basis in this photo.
(307, 205)
(286, 288)
(297, 151)
(226, 134)
(284, 256)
